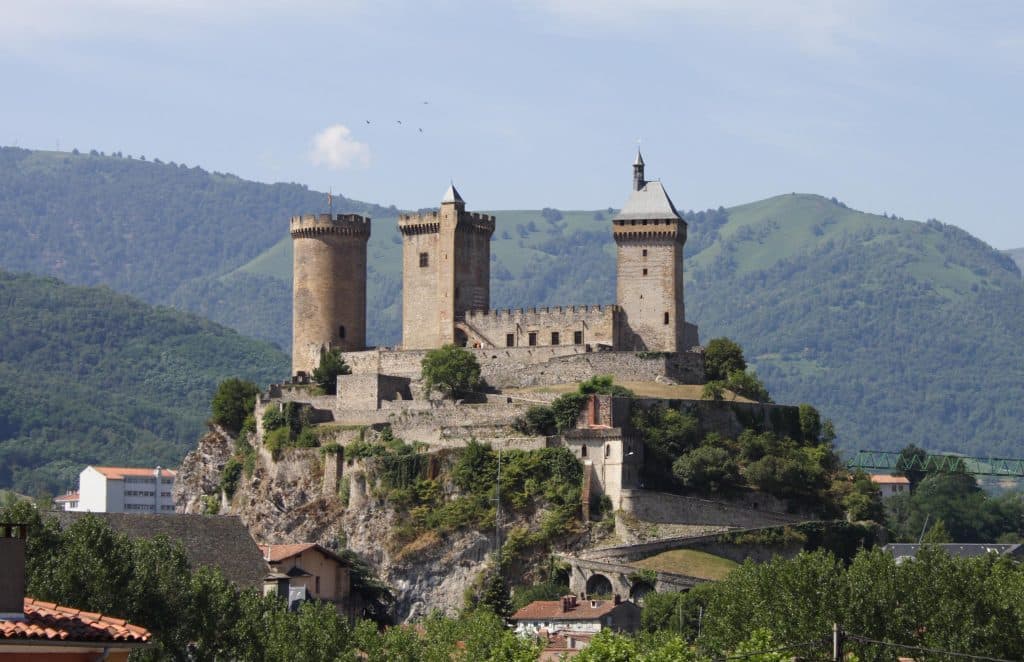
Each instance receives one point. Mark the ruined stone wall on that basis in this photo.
(371, 390)
(329, 286)
(575, 325)
(649, 287)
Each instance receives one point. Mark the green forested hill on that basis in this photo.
(1018, 256)
(901, 331)
(91, 376)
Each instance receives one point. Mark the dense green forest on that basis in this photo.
(91, 376)
(900, 331)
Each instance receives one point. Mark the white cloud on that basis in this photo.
(335, 148)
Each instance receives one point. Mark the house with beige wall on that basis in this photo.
(310, 571)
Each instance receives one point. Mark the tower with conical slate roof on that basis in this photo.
(650, 235)
(446, 271)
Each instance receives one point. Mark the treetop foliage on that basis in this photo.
(452, 370)
(332, 364)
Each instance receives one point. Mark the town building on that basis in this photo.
(34, 630)
(123, 490)
(890, 485)
(905, 551)
(307, 571)
(67, 501)
(576, 616)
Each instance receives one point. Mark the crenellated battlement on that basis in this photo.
(310, 225)
(508, 313)
(627, 229)
(430, 222)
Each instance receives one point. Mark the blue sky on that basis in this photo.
(912, 108)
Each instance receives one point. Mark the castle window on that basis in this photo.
(424, 260)
(554, 337)
(666, 318)
(583, 451)
(533, 338)
(510, 340)
(645, 252)
(577, 337)
(645, 272)
(341, 331)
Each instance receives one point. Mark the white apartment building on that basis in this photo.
(125, 490)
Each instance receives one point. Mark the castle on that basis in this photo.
(642, 338)
(446, 289)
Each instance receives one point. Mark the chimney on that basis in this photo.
(12, 571)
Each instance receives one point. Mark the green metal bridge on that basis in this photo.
(978, 466)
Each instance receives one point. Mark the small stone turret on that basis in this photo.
(328, 286)
(638, 172)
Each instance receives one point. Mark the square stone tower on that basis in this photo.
(650, 235)
(446, 271)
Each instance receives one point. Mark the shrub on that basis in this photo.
(708, 468)
(748, 385)
(722, 356)
(233, 402)
(566, 409)
(539, 419)
(276, 441)
(273, 418)
(326, 374)
(604, 385)
(230, 475)
(713, 390)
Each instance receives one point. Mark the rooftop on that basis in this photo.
(64, 498)
(552, 610)
(278, 553)
(962, 550)
(219, 541)
(651, 202)
(118, 473)
(49, 621)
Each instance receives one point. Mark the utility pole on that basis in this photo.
(837, 643)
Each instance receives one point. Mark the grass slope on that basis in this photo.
(90, 376)
(689, 562)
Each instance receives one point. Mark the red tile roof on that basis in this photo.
(551, 610)
(46, 620)
(117, 473)
(70, 496)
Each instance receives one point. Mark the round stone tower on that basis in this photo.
(328, 286)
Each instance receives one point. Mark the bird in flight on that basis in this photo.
(367, 121)
(399, 121)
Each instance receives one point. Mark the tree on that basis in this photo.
(810, 423)
(452, 370)
(234, 400)
(707, 469)
(604, 385)
(332, 364)
(748, 385)
(722, 356)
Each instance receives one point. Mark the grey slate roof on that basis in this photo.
(651, 202)
(220, 541)
(451, 195)
(964, 550)
(639, 159)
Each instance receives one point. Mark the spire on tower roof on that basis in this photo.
(451, 195)
(639, 158)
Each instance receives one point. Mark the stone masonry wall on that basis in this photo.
(663, 507)
(518, 367)
(649, 288)
(329, 286)
(589, 325)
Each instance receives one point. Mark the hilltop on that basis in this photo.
(901, 331)
(91, 376)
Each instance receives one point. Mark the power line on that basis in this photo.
(923, 649)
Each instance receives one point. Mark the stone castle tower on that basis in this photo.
(650, 235)
(446, 271)
(328, 286)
